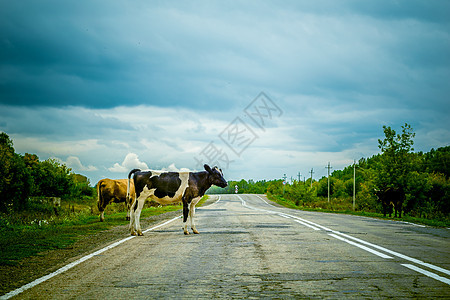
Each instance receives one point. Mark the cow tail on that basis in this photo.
(100, 200)
(128, 184)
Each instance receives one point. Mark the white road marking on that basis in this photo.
(414, 260)
(337, 234)
(217, 200)
(298, 221)
(413, 224)
(426, 273)
(75, 263)
(360, 246)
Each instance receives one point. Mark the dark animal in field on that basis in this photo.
(171, 187)
(391, 198)
(113, 190)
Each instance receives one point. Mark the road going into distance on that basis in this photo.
(248, 248)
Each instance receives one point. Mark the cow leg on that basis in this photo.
(132, 218)
(185, 216)
(398, 208)
(137, 215)
(128, 211)
(192, 213)
(102, 208)
(128, 202)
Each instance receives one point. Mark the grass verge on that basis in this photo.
(21, 240)
(33, 232)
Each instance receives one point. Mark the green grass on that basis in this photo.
(28, 233)
(323, 206)
(24, 239)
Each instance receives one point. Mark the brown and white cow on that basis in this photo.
(171, 187)
(113, 190)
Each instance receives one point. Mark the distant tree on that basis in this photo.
(396, 159)
(81, 186)
(55, 180)
(33, 166)
(438, 161)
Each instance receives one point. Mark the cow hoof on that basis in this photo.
(133, 233)
(186, 233)
(140, 233)
(195, 231)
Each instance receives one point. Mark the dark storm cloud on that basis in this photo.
(58, 54)
(69, 123)
(102, 54)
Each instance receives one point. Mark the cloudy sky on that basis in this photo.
(262, 88)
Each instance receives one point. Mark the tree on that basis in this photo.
(438, 161)
(55, 180)
(15, 179)
(395, 161)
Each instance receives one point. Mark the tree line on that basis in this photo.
(25, 176)
(424, 178)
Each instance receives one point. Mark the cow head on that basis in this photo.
(216, 176)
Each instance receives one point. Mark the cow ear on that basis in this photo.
(207, 168)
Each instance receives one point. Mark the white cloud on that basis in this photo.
(130, 162)
(55, 148)
(75, 164)
(173, 168)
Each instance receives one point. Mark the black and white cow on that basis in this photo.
(171, 187)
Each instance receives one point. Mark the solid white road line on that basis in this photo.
(75, 263)
(360, 246)
(429, 274)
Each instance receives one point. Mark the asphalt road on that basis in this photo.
(250, 249)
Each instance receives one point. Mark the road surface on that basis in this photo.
(248, 248)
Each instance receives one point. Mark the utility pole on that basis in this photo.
(354, 183)
(299, 177)
(284, 182)
(312, 171)
(328, 167)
